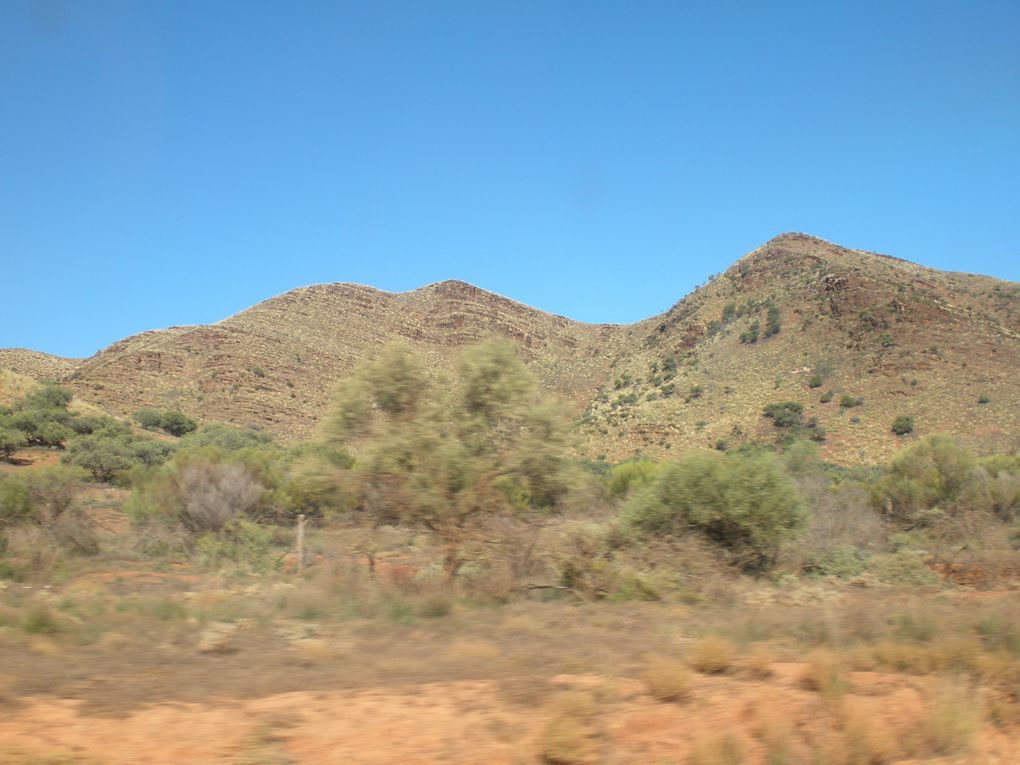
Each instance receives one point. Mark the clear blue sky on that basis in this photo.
(173, 162)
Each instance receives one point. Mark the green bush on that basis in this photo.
(984, 398)
(787, 414)
(227, 438)
(849, 402)
(750, 335)
(772, 324)
(630, 476)
(199, 491)
(744, 502)
(148, 418)
(48, 395)
(815, 381)
(931, 474)
(173, 422)
(11, 440)
(241, 542)
(903, 425)
(444, 457)
(44, 499)
(827, 397)
(113, 450)
(15, 502)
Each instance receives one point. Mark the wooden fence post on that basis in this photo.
(301, 543)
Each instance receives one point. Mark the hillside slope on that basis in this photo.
(274, 364)
(905, 339)
(890, 336)
(37, 365)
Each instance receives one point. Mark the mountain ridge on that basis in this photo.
(898, 335)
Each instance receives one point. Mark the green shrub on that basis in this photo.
(148, 418)
(173, 422)
(772, 324)
(199, 491)
(843, 561)
(827, 397)
(43, 499)
(750, 335)
(744, 502)
(903, 425)
(240, 542)
(984, 398)
(630, 476)
(176, 423)
(815, 381)
(787, 414)
(113, 450)
(41, 416)
(849, 402)
(11, 440)
(227, 438)
(15, 502)
(930, 474)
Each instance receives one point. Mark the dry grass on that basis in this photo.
(758, 661)
(954, 717)
(712, 655)
(667, 679)
(570, 735)
(717, 749)
(826, 673)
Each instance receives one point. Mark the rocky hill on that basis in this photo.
(890, 337)
(856, 338)
(274, 364)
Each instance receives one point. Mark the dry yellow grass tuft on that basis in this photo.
(719, 749)
(667, 679)
(712, 655)
(758, 662)
(954, 717)
(825, 673)
(570, 736)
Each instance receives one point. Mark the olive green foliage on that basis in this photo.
(926, 479)
(11, 439)
(113, 449)
(631, 476)
(207, 488)
(240, 542)
(445, 454)
(996, 486)
(172, 421)
(317, 478)
(45, 498)
(750, 335)
(39, 418)
(745, 502)
(787, 414)
(903, 425)
(225, 437)
(772, 323)
(15, 502)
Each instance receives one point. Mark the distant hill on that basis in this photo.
(904, 339)
(274, 364)
(38, 366)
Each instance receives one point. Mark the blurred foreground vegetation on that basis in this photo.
(477, 473)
